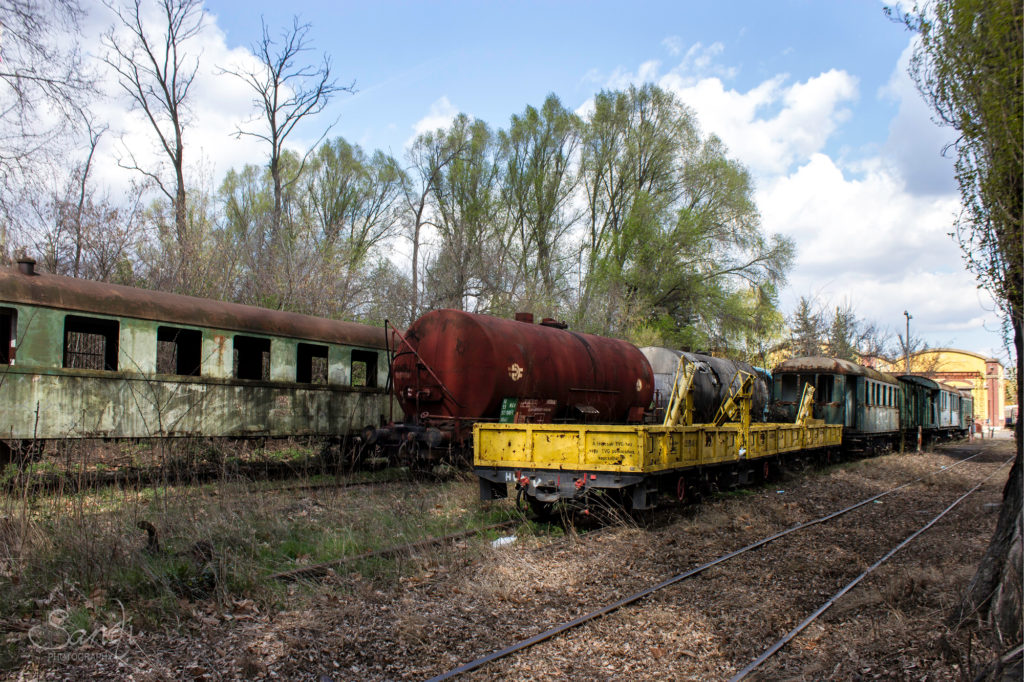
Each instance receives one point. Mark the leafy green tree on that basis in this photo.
(427, 158)
(673, 238)
(352, 207)
(536, 188)
(969, 66)
(465, 210)
(630, 176)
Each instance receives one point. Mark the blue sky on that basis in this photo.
(492, 59)
(811, 96)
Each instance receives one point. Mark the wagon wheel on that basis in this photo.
(409, 455)
(766, 470)
(681, 488)
(542, 510)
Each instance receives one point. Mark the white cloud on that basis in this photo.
(806, 115)
(771, 126)
(871, 230)
(441, 114)
(871, 242)
(218, 104)
(914, 145)
(673, 45)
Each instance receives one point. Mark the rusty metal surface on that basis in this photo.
(819, 365)
(482, 360)
(87, 296)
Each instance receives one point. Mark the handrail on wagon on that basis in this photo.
(681, 395)
(806, 410)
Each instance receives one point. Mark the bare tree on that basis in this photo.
(46, 86)
(287, 91)
(82, 233)
(156, 72)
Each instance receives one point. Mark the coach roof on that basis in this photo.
(100, 298)
(823, 365)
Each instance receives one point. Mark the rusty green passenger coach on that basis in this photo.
(84, 359)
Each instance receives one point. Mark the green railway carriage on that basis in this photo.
(940, 411)
(864, 401)
(84, 359)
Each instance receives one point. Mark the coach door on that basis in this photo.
(850, 402)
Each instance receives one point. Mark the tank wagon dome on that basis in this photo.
(115, 300)
(464, 365)
(823, 365)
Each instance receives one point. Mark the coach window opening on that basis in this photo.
(179, 351)
(251, 358)
(8, 334)
(90, 343)
(788, 388)
(364, 368)
(823, 390)
(311, 364)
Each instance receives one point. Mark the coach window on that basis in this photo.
(8, 333)
(788, 390)
(824, 388)
(90, 343)
(252, 358)
(364, 368)
(178, 351)
(311, 364)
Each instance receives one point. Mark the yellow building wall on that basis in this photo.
(949, 361)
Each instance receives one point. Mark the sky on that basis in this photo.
(812, 97)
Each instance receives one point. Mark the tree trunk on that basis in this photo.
(995, 594)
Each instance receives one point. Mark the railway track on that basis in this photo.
(698, 570)
(321, 570)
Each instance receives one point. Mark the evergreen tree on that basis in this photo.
(807, 330)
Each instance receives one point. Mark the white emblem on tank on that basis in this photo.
(515, 371)
(639, 385)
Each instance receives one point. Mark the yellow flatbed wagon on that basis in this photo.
(552, 462)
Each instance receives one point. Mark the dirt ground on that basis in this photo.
(462, 605)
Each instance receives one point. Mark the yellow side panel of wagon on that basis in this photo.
(632, 449)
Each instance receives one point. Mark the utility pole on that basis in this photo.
(906, 345)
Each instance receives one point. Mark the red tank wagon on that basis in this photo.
(453, 368)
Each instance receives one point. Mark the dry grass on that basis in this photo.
(427, 612)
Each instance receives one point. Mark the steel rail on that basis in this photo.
(770, 651)
(625, 601)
